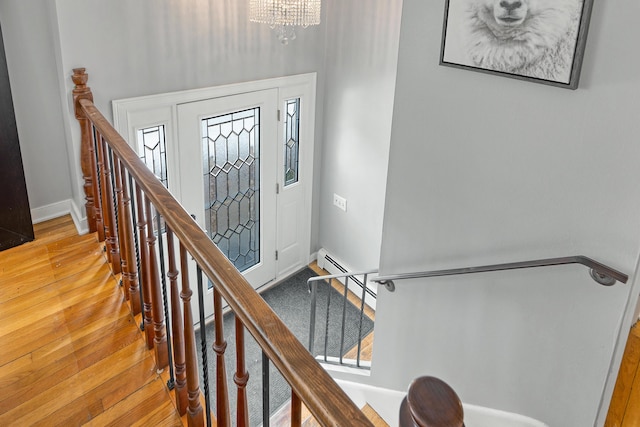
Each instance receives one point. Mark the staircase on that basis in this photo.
(63, 364)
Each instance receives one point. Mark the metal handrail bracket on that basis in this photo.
(599, 272)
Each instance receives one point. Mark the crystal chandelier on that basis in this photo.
(283, 15)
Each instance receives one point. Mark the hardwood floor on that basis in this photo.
(624, 410)
(70, 351)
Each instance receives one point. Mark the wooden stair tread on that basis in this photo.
(373, 416)
(624, 409)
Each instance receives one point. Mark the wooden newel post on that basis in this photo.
(431, 402)
(87, 153)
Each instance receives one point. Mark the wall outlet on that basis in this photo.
(340, 202)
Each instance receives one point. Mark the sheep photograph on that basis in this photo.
(538, 39)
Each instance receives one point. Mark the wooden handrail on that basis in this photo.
(328, 403)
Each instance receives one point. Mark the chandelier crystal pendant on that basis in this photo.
(284, 15)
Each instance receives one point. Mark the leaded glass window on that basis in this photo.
(291, 141)
(152, 151)
(231, 173)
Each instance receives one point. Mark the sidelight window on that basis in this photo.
(152, 151)
(291, 141)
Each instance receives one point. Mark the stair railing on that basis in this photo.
(599, 272)
(128, 208)
(313, 289)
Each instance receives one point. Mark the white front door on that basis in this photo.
(250, 146)
(227, 166)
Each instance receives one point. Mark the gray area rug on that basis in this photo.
(291, 301)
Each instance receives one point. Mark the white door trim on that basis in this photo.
(130, 114)
(190, 116)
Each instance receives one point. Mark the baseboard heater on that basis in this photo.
(333, 266)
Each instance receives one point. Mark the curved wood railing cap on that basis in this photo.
(432, 403)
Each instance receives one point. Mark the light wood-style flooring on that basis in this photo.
(70, 351)
(624, 410)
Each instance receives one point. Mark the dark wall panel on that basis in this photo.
(15, 215)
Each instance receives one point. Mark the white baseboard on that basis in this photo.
(54, 210)
(58, 209)
(79, 218)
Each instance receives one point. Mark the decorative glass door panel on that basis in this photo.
(152, 150)
(231, 178)
(291, 140)
(228, 156)
(221, 151)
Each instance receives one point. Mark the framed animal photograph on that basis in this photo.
(537, 40)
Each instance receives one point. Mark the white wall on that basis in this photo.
(485, 169)
(156, 46)
(361, 58)
(32, 72)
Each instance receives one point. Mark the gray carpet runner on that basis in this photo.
(291, 302)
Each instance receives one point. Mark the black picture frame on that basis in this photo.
(541, 41)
